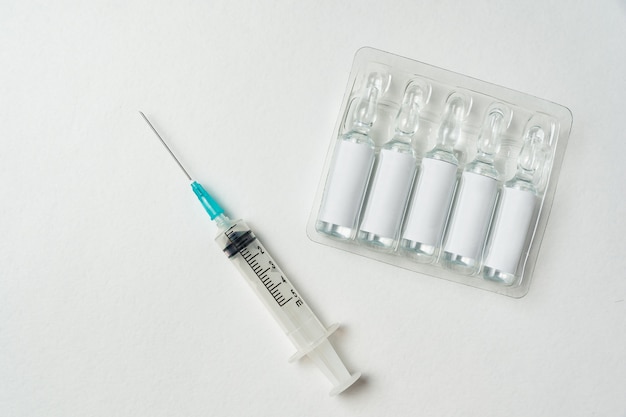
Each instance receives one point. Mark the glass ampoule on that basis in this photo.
(351, 165)
(475, 198)
(394, 174)
(516, 209)
(436, 180)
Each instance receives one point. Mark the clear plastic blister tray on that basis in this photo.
(440, 173)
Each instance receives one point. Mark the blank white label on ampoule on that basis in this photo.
(431, 202)
(514, 214)
(389, 192)
(346, 184)
(471, 215)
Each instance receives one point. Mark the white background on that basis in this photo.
(114, 300)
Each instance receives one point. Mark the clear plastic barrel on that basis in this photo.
(285, 304)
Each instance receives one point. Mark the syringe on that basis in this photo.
(271, 285)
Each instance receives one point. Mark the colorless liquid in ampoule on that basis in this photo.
(351, 167)
(515, 211)
(394, 174)
(475, 198)
(436, 180)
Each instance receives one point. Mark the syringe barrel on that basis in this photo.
(271, 285)
(280, 297)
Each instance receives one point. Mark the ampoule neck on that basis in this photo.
(523, 180)
(360, 128)
(481, 167)
(358, 136)
(496, 121)
(443, 152)
(485, 158)
(366, 107)
(484, 161)
(400, 143)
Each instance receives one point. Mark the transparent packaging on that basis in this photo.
(440, 173)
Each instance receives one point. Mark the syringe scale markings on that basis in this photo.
(264, 277)
(247, 255)
(235, 238)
